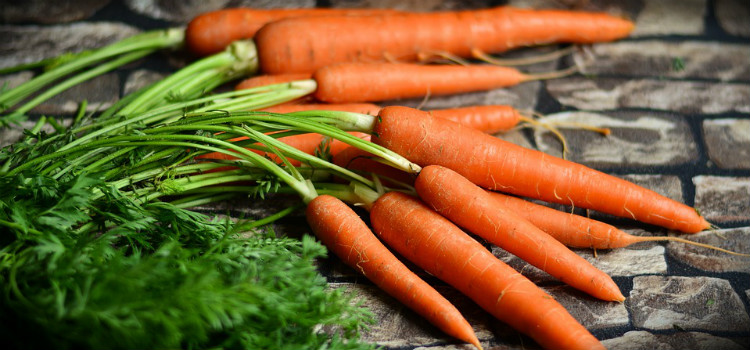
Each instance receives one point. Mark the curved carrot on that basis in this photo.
(358, 82)
(212, 32)
(499, 165)
(470, 207)
(435, 244)
(579, 231)
(345, 234)
(304, 44)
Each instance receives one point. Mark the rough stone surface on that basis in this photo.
(680, 59)
(728, 142)
(615, 262)
(636, 139)
(690, 303)
(25, 44)
(732, 16)
(184, 11)
(49, 12)
(591, 313)
(669, 18)
(677, 96)
(636, 340)
(735, 239)
(101, 92)
(140, 79)
(723, 198)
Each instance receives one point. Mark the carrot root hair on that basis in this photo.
(485, 57)
(687, 241)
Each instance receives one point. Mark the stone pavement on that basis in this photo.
(676, 95)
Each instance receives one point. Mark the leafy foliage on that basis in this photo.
(115, 273)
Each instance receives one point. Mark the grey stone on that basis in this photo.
(669, 18)
(25, 44)
(399, 326)
(592, 313)
(690, 303)
(728, 142)
(722, 198)
(637, 340)
(184, 11)
(682, 59)
(614, 262)
(13, 80)
(521, 97)
(100, 93)
(637, 139)
(732, 16)
(678, 96)
(49, 12)
(665, 185)
(141, 78)
(735, 239)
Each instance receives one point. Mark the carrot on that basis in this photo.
(358, 82)
(488, 118)
(265, 80)
(364, 108)
(470, 207)
(346, 235)
(304, 44)
(435, 244)
(212, 32)
(499, 165)
(356, 159)
(579, 231)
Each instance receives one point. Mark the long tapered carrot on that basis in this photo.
(435, 244)
(470, 207)
(367, 82)
(346, 235)
(304, 44)
(582, 232)
(212, 32)
(499, 165)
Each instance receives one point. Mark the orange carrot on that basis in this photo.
(363, 108)
(265, 80)
(435, 244)
(499, 165)
(470, 207)
(489, 118)
(346, 235)
(356, 159)
(358, 82)
(212, 32)
(304, 44)
(579, 231)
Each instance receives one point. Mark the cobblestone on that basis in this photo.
(691, 303)
(723, 198)
(636, 340)
(637, 139)
(732, 16)
(677, 96)
(681, 59)
(736, 239)
(669, 18)
(728, 142)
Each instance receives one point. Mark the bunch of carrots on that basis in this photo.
(444, 169)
